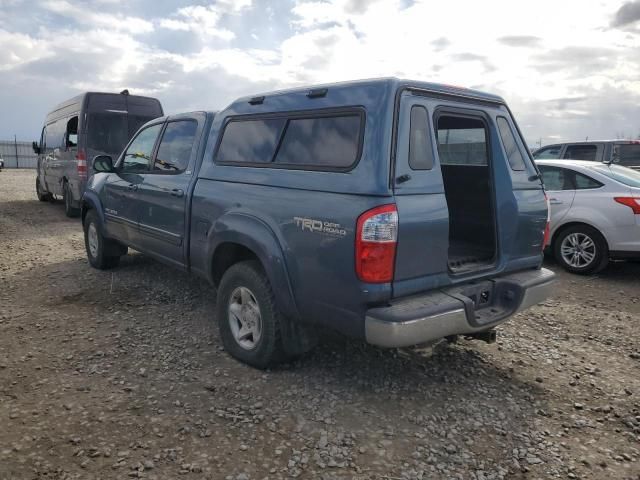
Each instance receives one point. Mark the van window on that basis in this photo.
(107, 132)
(72, 132)
(250, 141)
(420, 153)
(581, 152)
(55, 133)
(628, 154)
(461, 140)
(138, 155)
(321, 142)
(510, 145)
(175, 147)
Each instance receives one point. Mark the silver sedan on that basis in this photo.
(595, 213)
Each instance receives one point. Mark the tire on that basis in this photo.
(592, 253)
(67, 197)
(249, 336)
(97, 246)
(42, 195)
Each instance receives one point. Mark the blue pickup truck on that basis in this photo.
(393, 211)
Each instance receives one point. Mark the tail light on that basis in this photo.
(81, 157)
(376, 240)
(547, 228)
(631, 202)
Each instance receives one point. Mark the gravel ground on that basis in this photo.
(121, 374)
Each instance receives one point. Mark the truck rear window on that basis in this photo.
(309, 142)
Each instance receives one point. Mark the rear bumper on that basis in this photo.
(463, 309)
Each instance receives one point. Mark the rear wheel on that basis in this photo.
(581, 249)
(99, 249)
(248, 318)
(41, 194)
(67, 197)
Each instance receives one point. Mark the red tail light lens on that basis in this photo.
(81, 157)
(546, 240)
(376, 240)
(631, 202)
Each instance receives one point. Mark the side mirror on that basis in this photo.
(103, 163)
(36, 148)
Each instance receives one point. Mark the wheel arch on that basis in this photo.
(576, 223)
(238, 237)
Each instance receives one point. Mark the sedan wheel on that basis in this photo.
(578, 250)
(581, 249)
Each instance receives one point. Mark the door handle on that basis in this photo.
(133, 187)
(176, 192)
(555, 201)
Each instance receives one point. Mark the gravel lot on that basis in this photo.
(121, 374)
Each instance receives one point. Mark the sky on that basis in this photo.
(569, 69)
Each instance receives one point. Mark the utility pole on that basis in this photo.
(15, 144)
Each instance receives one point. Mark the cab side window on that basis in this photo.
(137, 158)
(581, 152)
(548, 152)
(175, 147)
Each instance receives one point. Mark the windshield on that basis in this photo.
(624, 175)
(109, 132)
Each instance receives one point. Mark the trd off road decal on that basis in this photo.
(319, 226)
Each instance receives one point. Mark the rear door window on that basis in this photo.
(461, 140)
(510, 145)
(329, 142)
(138, 156)
(548, 152)
(584, 182)
(581, 152)
(555, 178)
(175, 147)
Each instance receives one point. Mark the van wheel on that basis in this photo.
(42, 195)
(67, 197)
(97, 246)
(248, 318)
(581, 249)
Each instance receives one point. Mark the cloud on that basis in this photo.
(576, 60)
(520, 40)
(87, 16)
(627, 14)
(440, 43)
(358, 6)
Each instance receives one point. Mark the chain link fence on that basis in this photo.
(18, 154)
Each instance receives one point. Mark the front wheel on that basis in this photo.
(581, 249)
(99, 249)
(248, 318)
(40, 193)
